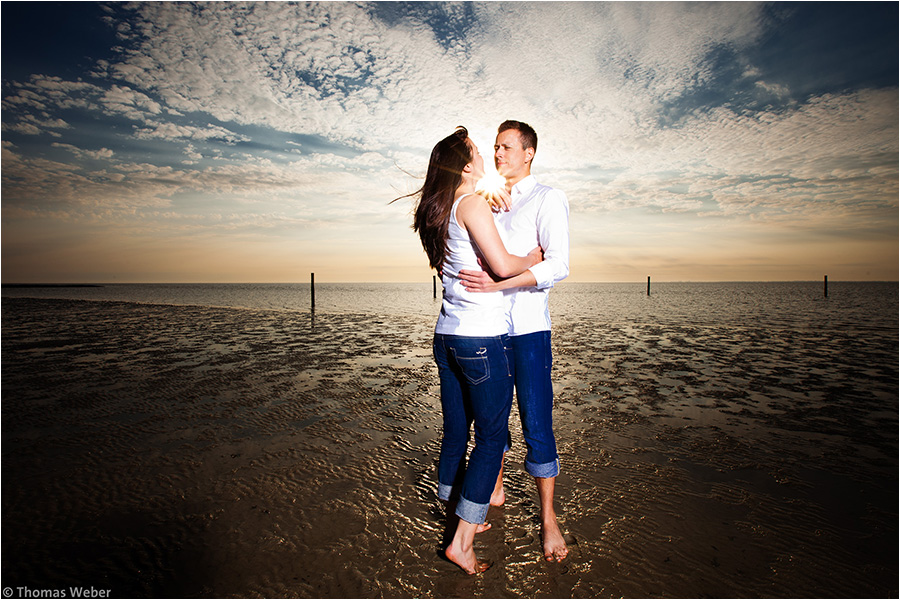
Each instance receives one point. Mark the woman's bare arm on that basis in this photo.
(474, 214)
(481, 281)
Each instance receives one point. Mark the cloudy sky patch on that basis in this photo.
(198, 142)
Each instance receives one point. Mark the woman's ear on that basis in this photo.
(467, 168)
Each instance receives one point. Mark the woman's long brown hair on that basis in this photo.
(432, 212)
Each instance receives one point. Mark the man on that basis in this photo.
(537, 214)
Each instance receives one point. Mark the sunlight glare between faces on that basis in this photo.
(491, 183)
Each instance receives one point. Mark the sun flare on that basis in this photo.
(491, 183)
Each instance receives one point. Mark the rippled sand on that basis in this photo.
(187, 451)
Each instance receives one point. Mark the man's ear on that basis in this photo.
(529, 154)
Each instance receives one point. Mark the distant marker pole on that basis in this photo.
(434, 286)
(312, 291)
(826, 286)
(648, 285)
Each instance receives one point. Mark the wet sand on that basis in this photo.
(197, 452)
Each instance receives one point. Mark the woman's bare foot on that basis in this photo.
(555, 549)
(483, 527)
(466, 560)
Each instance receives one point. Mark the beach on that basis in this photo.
(192, 451)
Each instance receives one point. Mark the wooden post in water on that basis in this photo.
(826, 286)
(648, 285)
(312, 291)
(434, 286)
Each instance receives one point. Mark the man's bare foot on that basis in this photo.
(467, 561)
(555, 549)
(483, 527)
(498, 496)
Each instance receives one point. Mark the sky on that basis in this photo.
(264, 141)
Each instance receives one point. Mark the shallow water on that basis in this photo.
(734, 303)
(195, 451)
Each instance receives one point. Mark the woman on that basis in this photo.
(457, 228)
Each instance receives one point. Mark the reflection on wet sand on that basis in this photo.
(190, 451)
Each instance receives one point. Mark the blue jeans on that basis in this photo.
(532, 360)
(476, 386)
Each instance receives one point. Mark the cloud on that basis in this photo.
(31, 125)
(119, 100)
(103, 153)
(172, 131)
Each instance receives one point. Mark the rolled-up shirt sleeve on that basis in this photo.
(553, 236)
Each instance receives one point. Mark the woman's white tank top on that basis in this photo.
(471, 314)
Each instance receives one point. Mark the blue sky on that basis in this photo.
(260, 142)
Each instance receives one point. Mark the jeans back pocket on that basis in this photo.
(473, 363)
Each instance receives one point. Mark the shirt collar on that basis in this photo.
(524, 186)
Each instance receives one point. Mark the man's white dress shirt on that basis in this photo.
(539, 216)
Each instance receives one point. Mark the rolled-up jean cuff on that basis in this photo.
(544, 470)
(445, 492)
(471, 512)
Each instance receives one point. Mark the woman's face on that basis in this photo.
(477, 161)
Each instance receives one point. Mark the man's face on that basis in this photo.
(512, 161)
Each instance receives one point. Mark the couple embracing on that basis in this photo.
(493, 332)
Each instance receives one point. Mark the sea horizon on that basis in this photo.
(622, 282)
(825, 304)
